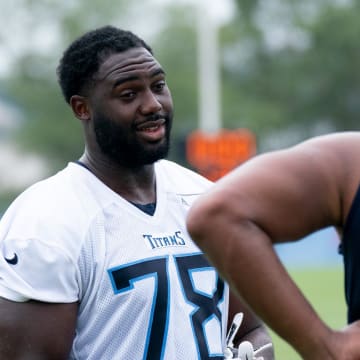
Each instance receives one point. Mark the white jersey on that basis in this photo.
(144, 289)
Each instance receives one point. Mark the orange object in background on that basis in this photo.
(214, 154)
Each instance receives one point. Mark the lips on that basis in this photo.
(152, 131)
(150, 125)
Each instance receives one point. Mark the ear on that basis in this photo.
(80, 107)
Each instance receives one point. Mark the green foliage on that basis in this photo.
(311, 78)
(6, 199)
(49, 128)
(293, 84)
(175, 47)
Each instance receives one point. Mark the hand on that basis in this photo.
(350, 342)
(338, 345)
(245, 351)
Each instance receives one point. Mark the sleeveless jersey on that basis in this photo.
(145, 291)
(351, 250)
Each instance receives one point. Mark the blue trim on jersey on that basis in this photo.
(190, 270)
(205, 306)
(167, 311)
(210, 269)
(158, 323)
(115, 268)
(207, 343)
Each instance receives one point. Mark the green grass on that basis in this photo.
(324, 288)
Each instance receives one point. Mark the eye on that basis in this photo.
(127, 95)
(159, 86)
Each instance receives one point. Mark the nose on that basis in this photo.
(150, 103)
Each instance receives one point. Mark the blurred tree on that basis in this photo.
(49, 128)
(286, 65)
(290, 64)
(175, 47)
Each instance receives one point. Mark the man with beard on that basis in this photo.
(96, 262)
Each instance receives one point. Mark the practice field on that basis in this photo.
(325, 289)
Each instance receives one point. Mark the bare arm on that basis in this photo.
(279, 197)
(35, 330)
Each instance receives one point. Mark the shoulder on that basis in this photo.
(338, 145)
(50, 196)
(180, 179)
(331, 155)
(335, 156)
(56, 210)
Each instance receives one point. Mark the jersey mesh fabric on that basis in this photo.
(144, 289)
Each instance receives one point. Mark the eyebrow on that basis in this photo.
(129, 78)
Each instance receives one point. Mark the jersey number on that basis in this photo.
(206, 306)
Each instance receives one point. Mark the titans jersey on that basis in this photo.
(351, 252)
(144, 289)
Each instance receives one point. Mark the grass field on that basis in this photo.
(324, 288)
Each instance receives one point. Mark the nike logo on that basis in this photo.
(13, 260)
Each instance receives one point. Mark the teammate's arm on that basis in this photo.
(35, 330)
(277, 197)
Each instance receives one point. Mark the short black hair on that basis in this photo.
(82, 59)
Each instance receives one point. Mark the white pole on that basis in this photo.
(208, 70)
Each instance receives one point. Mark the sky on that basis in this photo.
(220, 10)
(21, 31)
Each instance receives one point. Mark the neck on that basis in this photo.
(133, 184)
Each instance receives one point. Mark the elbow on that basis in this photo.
(205, 219)
(197, 219)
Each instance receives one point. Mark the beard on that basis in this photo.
(120, 144)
